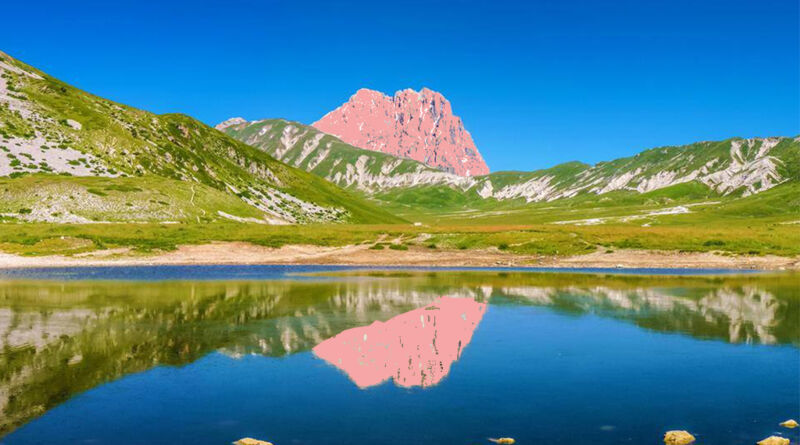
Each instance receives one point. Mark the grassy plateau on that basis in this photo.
(726, 229)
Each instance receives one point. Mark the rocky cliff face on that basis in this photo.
(415, 125)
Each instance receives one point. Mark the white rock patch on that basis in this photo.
(230, 123)
(358, 175)
(289, 138)
(486, 190)
(308, 147)
(32, 157)
(755, 175)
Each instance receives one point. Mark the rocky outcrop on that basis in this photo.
(229, 123)
(414, 125)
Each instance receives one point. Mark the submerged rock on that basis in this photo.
(251, 441)
(678, 438)
(503, 440)
(791, 423)
(774, 440)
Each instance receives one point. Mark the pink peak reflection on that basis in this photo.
(415, 348)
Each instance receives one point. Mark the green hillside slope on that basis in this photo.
(47, 126)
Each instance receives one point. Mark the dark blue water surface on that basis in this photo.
(587, 361)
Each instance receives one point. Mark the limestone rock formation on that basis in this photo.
(415, 125)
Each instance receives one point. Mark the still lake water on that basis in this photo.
(207, 355)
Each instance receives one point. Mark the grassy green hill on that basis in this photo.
(49, 127)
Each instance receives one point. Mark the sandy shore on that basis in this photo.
(243, 253)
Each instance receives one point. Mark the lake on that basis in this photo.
(332, 355)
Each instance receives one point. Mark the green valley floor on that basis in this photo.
(763, 246)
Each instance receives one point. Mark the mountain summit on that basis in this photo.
(415, 125)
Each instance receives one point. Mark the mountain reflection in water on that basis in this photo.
(415, 348)
(60, 339)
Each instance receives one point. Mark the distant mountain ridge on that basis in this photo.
(414, 125)
(733, 166)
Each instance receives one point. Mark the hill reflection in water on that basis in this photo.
(60, 339)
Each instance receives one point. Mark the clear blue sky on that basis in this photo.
(536, 83)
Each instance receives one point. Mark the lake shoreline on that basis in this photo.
(239, 253)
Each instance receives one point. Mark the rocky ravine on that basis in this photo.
(414, 125)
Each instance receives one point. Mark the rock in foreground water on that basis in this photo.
(251, 441)
(791, 423)
(678, 438)
(774, 440)
(504, 440)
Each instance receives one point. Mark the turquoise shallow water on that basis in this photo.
(198, 356)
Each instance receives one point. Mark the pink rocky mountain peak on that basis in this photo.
(415, 125)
